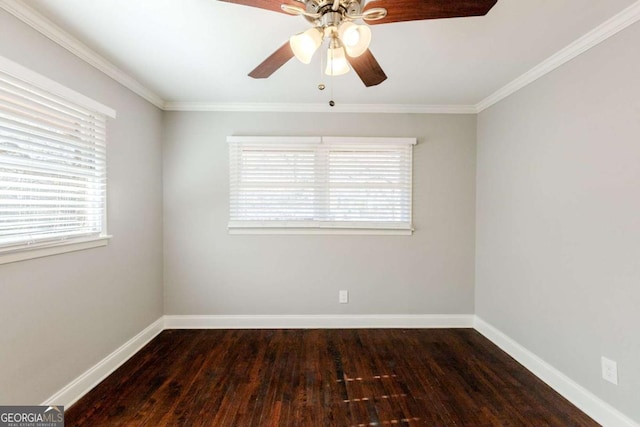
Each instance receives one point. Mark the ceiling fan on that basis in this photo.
(348, 42)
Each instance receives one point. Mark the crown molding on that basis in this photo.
(43, 25)
(321, 108)
(619, 22)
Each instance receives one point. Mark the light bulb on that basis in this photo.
(356, 38)
(336, 61)
(304, 45)
(351, 38)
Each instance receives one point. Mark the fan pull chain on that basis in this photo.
(331, 79)
(331, 102)
(321, 86)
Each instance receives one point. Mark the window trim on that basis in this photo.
(22, 251)
(246, 229)
(23, 73)
(9, 255)
(317, 228)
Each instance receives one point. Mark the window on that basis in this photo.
(319, 184)
(52, 163)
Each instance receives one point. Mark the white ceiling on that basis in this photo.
(202, 50)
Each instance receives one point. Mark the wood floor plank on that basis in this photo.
(390, 377)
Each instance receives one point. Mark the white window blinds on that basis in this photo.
(52, 165)
(320, 183)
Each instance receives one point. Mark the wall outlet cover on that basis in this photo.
(343, 297)
(610, 370)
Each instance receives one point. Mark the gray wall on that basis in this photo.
(208, 271)
(558, 218)
(62, 314)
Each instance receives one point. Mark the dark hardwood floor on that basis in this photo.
(360, 377)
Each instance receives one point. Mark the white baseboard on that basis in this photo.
(85, 382)
(589, 403)
(319, 321)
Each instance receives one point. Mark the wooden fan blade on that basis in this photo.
(368, 69)
(417, 10)
(273, 62)
(273, 5)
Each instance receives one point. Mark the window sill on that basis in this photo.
(303, 230)
(10, 255)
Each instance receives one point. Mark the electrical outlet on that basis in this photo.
(610, 370)
(343, 297)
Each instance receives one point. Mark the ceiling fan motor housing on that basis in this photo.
(329, 16)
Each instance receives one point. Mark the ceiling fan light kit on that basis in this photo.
(349, 42)
(343, 36)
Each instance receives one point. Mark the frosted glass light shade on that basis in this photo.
(336, 62)
(304, 45)
(355, 38)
